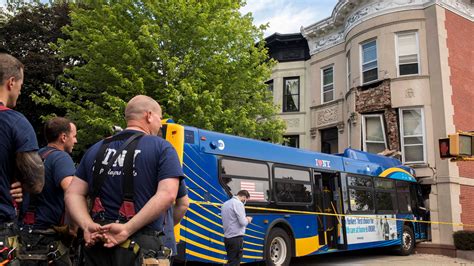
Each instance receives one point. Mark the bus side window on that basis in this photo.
(293, 185)
(249, 175)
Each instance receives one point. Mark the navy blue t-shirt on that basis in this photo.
(16, 135)
(169, 224)
(50, 202)
(155, 160)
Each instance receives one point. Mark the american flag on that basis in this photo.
(250, 187)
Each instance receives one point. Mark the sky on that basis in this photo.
(284, 16)
(287, 16)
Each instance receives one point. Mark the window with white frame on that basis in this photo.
(327, 84)
(407, 49)
(373, 133)
(369, 61)
(291, 94)
(412, 135)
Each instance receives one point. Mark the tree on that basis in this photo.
(26, 33)
(197, 58)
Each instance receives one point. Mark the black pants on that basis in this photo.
(235, 248)
(150, 245)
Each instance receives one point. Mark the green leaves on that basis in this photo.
(198, 59)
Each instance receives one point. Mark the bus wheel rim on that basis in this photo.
(406, 241)
(278, 250)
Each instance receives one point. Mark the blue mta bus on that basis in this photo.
(302, 202)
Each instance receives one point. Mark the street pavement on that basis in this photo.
(370, 257)
(378, 257)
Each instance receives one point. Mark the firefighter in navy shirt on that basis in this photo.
(19, 159)
(132, 180)
(42, 231)
(174, 216)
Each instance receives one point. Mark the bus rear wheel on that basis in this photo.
(408, 241)
(278, 248)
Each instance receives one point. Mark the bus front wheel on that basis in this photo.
(278, 248)
(407, 244)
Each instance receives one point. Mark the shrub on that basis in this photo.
(464, 240)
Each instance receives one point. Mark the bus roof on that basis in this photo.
(351, 161)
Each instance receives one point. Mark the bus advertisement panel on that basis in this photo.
(370, 228)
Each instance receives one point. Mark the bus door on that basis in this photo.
(330, 203)
(318, 207)
(419, 210)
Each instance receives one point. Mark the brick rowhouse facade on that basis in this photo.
(460, 44)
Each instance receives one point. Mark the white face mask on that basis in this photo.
(245, 201)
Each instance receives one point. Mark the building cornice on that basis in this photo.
(347, 14)
(459, 7)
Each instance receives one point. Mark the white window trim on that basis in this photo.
(417, 52)
(283, 94)
(322, 84)
(361, 54)
(402, 137)
(364, 139)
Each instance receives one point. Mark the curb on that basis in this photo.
(465, 254)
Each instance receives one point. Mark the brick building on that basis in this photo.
(388, 76)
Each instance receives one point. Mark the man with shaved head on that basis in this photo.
(132, 179)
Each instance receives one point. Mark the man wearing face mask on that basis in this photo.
(235, 221)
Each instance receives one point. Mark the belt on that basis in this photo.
(7, 225)
(56, 250)
(49, 231)
(233, 237)
(164, 252)
(145, 230)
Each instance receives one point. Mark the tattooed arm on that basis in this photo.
(31, 171)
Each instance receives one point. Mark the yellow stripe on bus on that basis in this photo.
(215, 232)
(206, 257)
(307, 245)
(187, 240)
(188, 178)
(194, 182)
(175, 136)
(259, 238)
(218, 216)
(248, 229)
(189, 230)
(197, 194)
(339, 215)
(202, 226)
(391, 170)
(203, 217)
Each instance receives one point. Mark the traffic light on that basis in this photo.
(444, 148)
(457, 145)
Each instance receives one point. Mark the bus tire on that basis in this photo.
(278, 248)
(408, 241)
